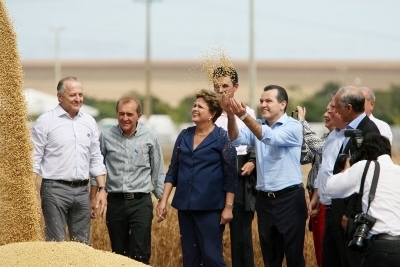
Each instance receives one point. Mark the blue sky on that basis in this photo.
(185, 29)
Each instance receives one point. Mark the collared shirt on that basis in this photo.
(329, 154)
(386, 204)
(353, 125)
(134, 164)
(66, 148)
(278, 153)
(383, 127)
(222, 122)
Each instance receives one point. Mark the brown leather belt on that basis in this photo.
(387, 237)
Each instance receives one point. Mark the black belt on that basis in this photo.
(387, 237)
(70, 183)
(128, 195)
(281, 192)
(328, 207)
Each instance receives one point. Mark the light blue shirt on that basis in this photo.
(330, 152)
(278, 153)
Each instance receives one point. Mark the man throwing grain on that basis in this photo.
(226, 81)
(66, 151)
(280, 205)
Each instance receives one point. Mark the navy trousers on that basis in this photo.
(201, 238)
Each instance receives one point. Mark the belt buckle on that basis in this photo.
(129, 196)
(271, 195)
(73, 184)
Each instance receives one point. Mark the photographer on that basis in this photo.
(383, 240)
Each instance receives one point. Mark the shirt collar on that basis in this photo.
(282, 119)
(60, 111)
(138, 127)
(354, 123)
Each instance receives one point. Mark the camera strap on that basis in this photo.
(372, 190)
(374, 184)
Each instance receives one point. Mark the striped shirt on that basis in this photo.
(134, 164)
(66, 148)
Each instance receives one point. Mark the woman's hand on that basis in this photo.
(161, 211)
(226, 215)
(301, 112)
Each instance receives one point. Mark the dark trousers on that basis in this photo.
(241, 230)
(281, 227)
(129, 226)
(201, 238)
(333, 250)
(382, 253)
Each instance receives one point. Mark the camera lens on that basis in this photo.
(360, 236)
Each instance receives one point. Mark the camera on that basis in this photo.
(364, 223)
(356, 139)
(295, 114)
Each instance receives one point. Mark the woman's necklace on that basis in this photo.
(201, 135)
(198, 136)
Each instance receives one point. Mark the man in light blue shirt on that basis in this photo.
(280, 205)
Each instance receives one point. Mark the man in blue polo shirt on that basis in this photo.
(280, 205)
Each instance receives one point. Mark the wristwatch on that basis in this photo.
(244, 116)
(102, 188)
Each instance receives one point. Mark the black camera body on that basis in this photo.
(295, 114)
(364, 223)
(356, 139)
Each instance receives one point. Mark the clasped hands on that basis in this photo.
(232, 106)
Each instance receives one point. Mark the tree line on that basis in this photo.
(387, 106)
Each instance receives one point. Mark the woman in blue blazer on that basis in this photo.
(204, 171)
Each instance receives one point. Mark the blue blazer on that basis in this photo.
(202, 176)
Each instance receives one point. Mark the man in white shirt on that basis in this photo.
(383, 127)
(66, 151)
(383, 244)
(333, 251)
(226, 81)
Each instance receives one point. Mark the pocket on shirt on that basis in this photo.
(141, 156)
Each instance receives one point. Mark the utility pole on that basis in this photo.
(57, 62)
(147, 100)
(252, 63)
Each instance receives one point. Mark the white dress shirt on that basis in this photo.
(330, 152)
(386, 205)
(66, 148)
(222, 122)
(383, 127)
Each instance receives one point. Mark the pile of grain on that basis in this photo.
(19, 210)
(19, 216)
(60, 254)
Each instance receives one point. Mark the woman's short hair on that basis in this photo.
(213, 102)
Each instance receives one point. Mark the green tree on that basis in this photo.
(316, 105)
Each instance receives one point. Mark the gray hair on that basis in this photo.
(369, 94)
(60, 85)
(353, 96)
